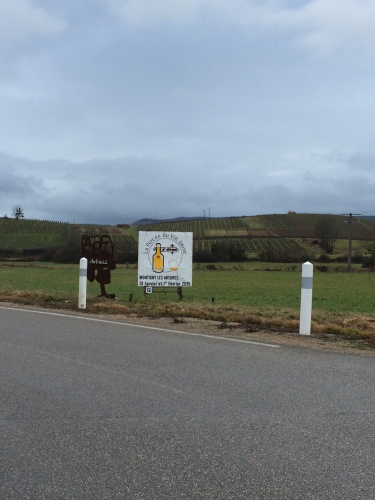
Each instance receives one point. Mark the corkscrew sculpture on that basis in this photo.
(98, 250)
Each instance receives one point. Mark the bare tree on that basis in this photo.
(369, 243)
(326, 230)
(17, 212)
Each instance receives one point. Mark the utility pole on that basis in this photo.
(350, 222)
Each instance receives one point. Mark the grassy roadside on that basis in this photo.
(248, 296)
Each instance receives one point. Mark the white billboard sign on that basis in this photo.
(165, 259)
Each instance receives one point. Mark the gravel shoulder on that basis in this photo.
(325, 342)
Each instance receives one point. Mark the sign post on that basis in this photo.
(165, 259)
(306, 299)
(82, 290)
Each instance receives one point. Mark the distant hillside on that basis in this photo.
(267, 233)
(29, 235)
(270, 225)
(254, 233)
(145, 222)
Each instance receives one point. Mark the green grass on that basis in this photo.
(333, 292)
(55, 279)
(264, 296)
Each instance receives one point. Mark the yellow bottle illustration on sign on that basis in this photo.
(158, 260)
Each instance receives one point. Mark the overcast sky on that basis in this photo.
(115, 110)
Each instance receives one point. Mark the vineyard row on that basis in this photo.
(251, 245)
(199, 226)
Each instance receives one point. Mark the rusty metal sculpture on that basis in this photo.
(98, 250)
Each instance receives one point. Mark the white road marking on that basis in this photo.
(140, 326)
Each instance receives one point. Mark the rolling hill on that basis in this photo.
(255, 233)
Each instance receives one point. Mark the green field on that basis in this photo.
(333, 291)
(249, 294)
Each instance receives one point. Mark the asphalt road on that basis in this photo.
(104, 410)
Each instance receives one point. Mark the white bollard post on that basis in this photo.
(306, 299)
(82, 283)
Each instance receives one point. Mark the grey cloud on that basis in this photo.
(21, 19)
(362, 161)
(126, 189)
(111, 122)
(316, 25)
(15, 179)
(13, 185)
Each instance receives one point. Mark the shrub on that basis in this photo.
(323, 258)
(358, 257)
(202, 256)
(326, 230)
(228, 252)
(282, 255)
(369, 262)
(125, 253)
(69, 252)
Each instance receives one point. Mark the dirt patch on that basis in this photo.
(326, 342)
